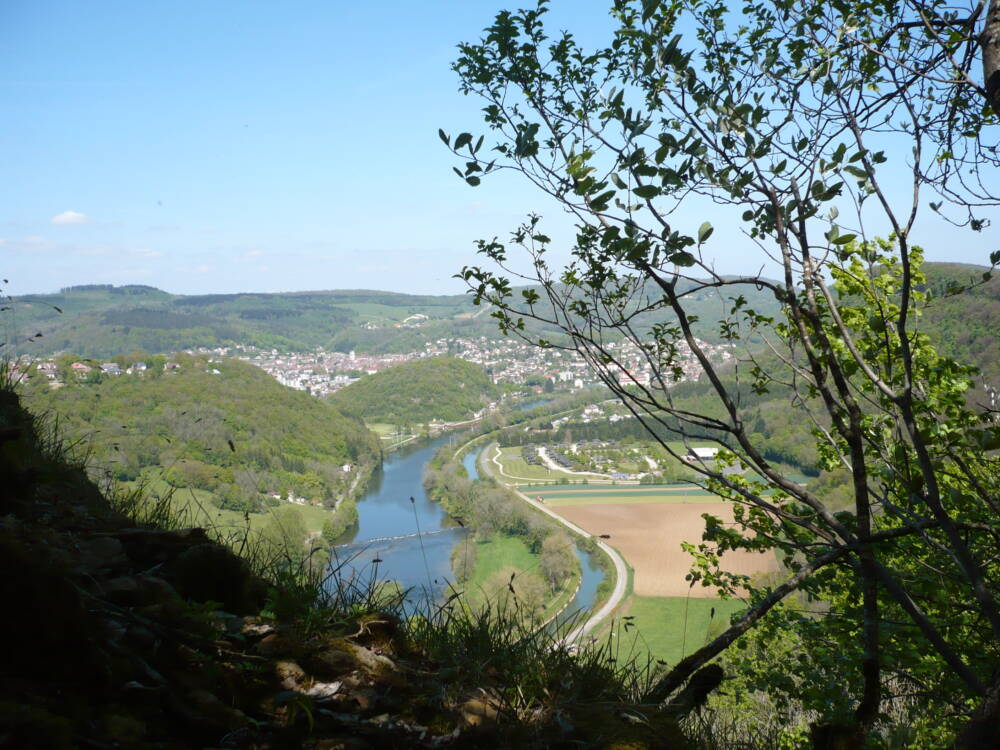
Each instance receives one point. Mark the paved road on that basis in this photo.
(621, 572)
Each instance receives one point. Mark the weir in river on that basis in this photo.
(402, 535)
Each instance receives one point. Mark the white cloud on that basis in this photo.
(69, 217)
(146, 252)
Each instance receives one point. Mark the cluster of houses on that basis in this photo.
(82, 370)
(507, 361)
(294, 499)
(320, 372)
(558, 457)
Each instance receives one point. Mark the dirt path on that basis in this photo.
(552, 465)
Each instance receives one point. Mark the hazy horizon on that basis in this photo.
(214, 148)
(331, 290)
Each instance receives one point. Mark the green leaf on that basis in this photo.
(464, 139)
(844, 239)
(704, 232)
(646, 191)
(600, 203)
(682, 258)
(474, 181)
(444, 137)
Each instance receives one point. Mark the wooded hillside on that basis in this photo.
(442, 388)
(217, 426)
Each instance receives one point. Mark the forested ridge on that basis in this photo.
(218, 426)
(965, 326)
(102, 320)
(436, 388)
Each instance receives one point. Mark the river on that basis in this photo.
(529, 405)
(396, 505)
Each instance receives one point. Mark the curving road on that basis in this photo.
(621, 572)
(547, 459)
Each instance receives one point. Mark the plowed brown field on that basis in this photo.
(649, 537)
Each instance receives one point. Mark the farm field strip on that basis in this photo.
(671, 627)
(649, 536)
(673, 494)
(570, 500)
(615, 489)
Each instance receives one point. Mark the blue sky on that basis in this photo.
(267, 146)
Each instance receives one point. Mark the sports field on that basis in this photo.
(649, 536)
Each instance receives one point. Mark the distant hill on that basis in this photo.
(965, 326)
(101, 320)
(442, 388)
(219, 430)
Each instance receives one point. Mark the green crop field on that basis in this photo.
(670, 627)
(580, 494)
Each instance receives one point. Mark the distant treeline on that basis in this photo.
(110, 288)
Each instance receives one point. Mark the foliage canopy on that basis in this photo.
(802, 121)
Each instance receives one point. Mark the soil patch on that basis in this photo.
(649, 537)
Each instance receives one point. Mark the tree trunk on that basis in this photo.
(990, 42)
(983, 730)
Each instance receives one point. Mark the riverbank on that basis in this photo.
(620, 569)
(402, 534)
